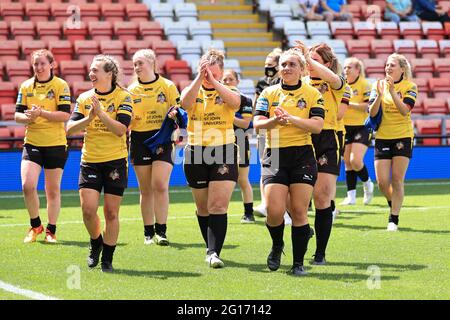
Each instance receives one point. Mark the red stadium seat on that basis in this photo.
(37, 11)
(365, 30)
(406, 47)
(410, 30)
(113, 48)
(4, 30)
(151, 30)
(355, 10)
(435, 106)
(7, 111)
(447, 29)
(433, 30)
(49, 30)
(128, 71)
(18, 133)
(72, 71)
(11, 11)
(126, 30)
(342, 30)
(178, 70)
(164, 51)
(32, 45)
(429, 127)
(381, 49)
(86, 50)
(75, 33)
(374, 68)
(388, 30)
(8, 92)
(428, 49)
(442, 66)
(100, 30)
(9, 50)
(136, 12)
(422, 68)
(1, 70)
(359, 48)
(5, 133)
(90, 12)
(422, 86)
(18, 71)
(22, 30)
(62, 49)
(134, 45)
(80, 87)
(113, 12)
(440, 87)
(62, 11)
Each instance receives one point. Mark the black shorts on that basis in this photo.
(244, 152)
(140, 155)
(357, 134)
(47, 157)
(205, 164)
(340, 135)
(326, 146)
(289, 165)
(110, 175)
(389, 148)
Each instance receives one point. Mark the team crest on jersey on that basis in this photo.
(218, 100)
(161, 98)
(301, 104)
(111, 108)
(399, 145)
(114, 175)
(355, 92)
(323, 88)
(223, 169)
(160, 150)
(323, 160)
(51, 94)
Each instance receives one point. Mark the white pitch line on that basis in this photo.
(75, 194)
(24, 292)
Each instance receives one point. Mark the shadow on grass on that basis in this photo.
(346, 277)
(5, 217)
(161, 275)
(382, 266)
(401, 229)
(82, 244)
(184, 246)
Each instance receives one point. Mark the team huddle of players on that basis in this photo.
(308, 113)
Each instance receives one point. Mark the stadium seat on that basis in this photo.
(7, 111)
(359, 48)
(164, 51)
(1, 71)
(62, 49)
(9, 50)
(406, 47)
(435, 106)
(319, 30)
(151, 30)
(186, 12)
(178, 70)
(422, 68)
(128, 72)
(294, 30)
(90, 12)
(72, 70)
(232, 64)
(11, 11)
(49, 30)
(4, 30)
(430, 127)
(411, 30)
(32, 45)
(190, 51)
(447, 28)
(80, 87)
(113, 48)
(86, 50)
(100, 30)
(62, 11)
(126, 30)
(5, 133)
(137, 12)
(113, 12)
(440, 87)
(74, 34)
(418, 105)
(428, 49)
(355, 10)
(387, 30)
(22, 30)
(37, 11)
(444, 47)
(374, 68)
(264, 5)
(422, 86)
(8, 92)
(18, 71)
(433, 30)
(341, 30)
(176, 31)
(442, 67)
(132, 46)
(200, 31)
(381, 48)
(279, 13)
(216, 44)
(162, 12)
(364, 30)
(183, 84)
(18, 133)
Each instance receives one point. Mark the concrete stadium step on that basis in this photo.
(243, 27)
(218, 2)
(230, 18)
(256, 64)
(243, 36)
(248, 55)
(225, 9)
(251, 46)
(252, 74)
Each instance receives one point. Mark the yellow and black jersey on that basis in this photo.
(245, 110)
(332, 98)
(52, 95)
(210, 120)
(301, 100)
(393, 124)
(360, 94)
(100, 144)
(345, 100)
(151, 101)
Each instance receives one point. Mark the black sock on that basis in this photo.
(149, 230)
(203, 223)
(393, 218)
(323, 224)
(160, 229)
(217, 230)
(36, 222)
(277, 234)
(351, 178)
(300, 238)
(108, 252)
(363, 174)
(389, 203)
(51, 228)
(96, 243)
(248, 207)
(333, 205)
